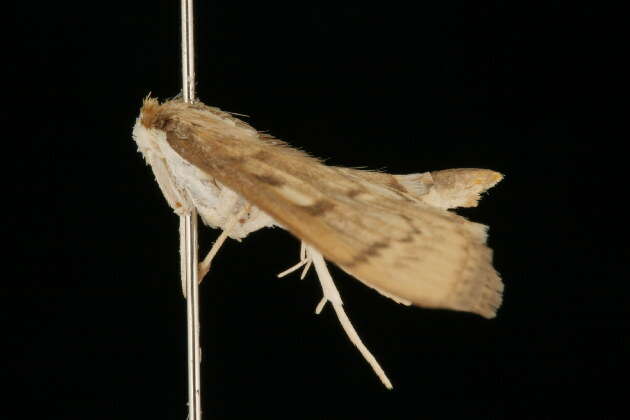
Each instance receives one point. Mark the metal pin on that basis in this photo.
(188, 231)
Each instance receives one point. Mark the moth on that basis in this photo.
(394, 233)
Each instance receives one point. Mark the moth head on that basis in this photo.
(166, 117)
(149, 111)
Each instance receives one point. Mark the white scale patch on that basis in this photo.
(185, 186)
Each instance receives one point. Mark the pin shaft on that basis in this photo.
(188, 231)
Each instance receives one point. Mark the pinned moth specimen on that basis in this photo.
(394, 233)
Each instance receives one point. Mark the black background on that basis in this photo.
(96, 320)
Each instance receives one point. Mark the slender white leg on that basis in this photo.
(204, 266)
(331, 294)
(304, 261)
(304, 257)
(292, 269)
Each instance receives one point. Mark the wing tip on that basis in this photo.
(481, 290)
(490, 298)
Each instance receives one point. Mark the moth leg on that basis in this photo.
(305, 261)
(331, 294)
(204, 266)
(293, 268)
(307, 257)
